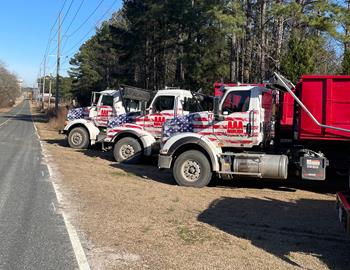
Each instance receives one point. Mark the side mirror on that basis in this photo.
(216, 108)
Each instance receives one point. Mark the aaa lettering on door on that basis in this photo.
(159, 120)
(235, 127)
(104, 112)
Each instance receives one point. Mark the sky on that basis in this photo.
(25, 29)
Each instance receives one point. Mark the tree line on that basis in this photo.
(9, 87)
(194, 43)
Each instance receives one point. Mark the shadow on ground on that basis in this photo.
(279, 227)
(148, 170)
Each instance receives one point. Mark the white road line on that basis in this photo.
(73, 235)
(2, 124)
(42, 173)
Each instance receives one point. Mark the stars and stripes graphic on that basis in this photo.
(120, 120)
(78, 113)
(178, 125)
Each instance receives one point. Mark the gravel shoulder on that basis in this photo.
(135, 217)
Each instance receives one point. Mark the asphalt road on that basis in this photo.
(32, 233)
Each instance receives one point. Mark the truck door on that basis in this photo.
(105, 110)
(236, 126)
(161, 110)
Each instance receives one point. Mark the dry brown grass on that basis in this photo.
(56, 120)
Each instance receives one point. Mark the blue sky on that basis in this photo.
(25, 29)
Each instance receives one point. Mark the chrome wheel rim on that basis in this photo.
(77, 138)
(191, 170)
(127, 151)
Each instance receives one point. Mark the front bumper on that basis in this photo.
(164, 162)
(62, 131)
(343, 209)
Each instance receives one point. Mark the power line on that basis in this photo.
(92, 29)
(50, 39)
(87, 19)
(74, 17)
(63, 20)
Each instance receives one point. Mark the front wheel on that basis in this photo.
(127, 150)
(78, 138)
(192, 169)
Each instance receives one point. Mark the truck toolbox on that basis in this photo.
(343, 209)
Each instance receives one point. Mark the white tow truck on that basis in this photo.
(87, 126)
(134, 136)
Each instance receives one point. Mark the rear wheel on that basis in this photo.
(78, 138)
(127, 150)
(192, 169)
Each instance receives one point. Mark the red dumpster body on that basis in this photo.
(328, 98)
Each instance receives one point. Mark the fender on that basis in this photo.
(89, 125)
(145, 137)
(176, 141)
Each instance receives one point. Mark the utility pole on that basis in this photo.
(57, 96)
(39, 86)
(43, 85)
(49, 93)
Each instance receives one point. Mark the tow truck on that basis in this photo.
(87, 125)
(135, 136)
(242, 135)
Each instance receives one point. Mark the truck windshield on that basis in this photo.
(107, 101)
(236, 101)
(163, 103)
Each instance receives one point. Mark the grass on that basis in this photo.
(176, 200)
(193, 235)
(145, 229)
(123, 174)
(170, 209)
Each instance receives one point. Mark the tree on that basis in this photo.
(9, 87)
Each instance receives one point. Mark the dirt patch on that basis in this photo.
(135, 217)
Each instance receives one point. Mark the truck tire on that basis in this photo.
(78, 138)
(127, 150)
(192, 169)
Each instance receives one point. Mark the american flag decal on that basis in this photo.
(120, 120)
(78, 113)
(178, 125)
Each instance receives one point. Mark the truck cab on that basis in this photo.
(229, 141)
(242, 118)
(85, 125)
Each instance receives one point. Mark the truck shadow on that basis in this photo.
(147, 171)
(283, 228)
